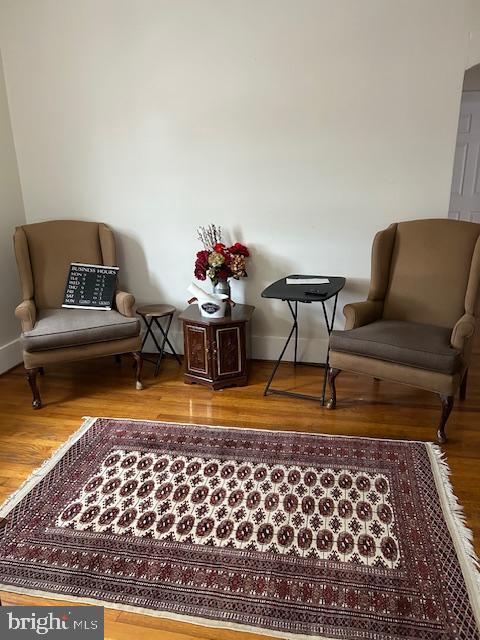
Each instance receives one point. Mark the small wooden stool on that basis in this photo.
(151, 314)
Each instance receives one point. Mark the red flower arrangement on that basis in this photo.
(217, 261)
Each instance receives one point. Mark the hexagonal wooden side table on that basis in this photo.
(215, 348)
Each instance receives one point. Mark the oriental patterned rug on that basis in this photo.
(287, 534)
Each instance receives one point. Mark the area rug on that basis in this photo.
(286, 534)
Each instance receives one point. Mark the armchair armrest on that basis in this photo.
(462, 332)
(358, 314)
(26, 311)
(125, 303)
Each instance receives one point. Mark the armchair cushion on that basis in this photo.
(408, 343)
(60, 328)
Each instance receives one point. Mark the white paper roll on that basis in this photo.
(200, 294)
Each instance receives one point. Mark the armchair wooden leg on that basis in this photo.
(463, 386)
(447, 406)
(32, 381)
(332, 374)
(138, 370)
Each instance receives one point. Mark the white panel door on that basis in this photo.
(465, 196)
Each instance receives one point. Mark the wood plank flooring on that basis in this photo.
(103, 388)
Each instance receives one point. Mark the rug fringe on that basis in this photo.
(37, 474)
(464, 535)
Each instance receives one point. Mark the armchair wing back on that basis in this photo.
(51, 334)
(45, 250)
(429, 271)
(422, 309)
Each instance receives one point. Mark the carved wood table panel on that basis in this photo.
(215, 348)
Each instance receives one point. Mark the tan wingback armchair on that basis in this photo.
(51, 334)
(418, 323)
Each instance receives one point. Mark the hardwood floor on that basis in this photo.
(365, 408)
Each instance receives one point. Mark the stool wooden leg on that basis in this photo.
(174, 353)
(162, 347)
(152, 320)
(165, 340)
(139, 366)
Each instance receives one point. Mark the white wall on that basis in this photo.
(472, 19)
(301, 127)
(11, 215)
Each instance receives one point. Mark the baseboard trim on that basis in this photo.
(10, 355)
(265, 347)
(270, 347)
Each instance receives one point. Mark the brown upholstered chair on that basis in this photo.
(418, 323)
(51, 334)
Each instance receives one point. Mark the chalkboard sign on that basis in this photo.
(90, 286)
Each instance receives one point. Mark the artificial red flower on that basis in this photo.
(201, 265)
(217, 261)
(200, 273)
(239, 249)
(202, 257)
(224, 273)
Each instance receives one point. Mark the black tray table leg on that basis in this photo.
(329, 323)
(329, 326)
(295, 316)
(277, 364)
